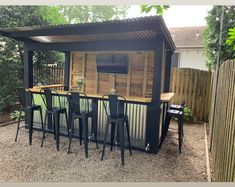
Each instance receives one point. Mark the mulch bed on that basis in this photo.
(20, 162)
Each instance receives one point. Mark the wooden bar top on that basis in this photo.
(131, 99)
(49, 86)
(165, 97)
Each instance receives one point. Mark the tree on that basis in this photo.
(212, 33)
(11, 54)
(159, 9)
(52, 15)
(95, 13)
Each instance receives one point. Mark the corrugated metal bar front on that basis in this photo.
(136, 113)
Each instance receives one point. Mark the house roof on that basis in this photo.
(142, 28)
(188, 37)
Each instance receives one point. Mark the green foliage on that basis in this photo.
(52, 14)
(212, 32)
(231, 38)
(16, 115)
(158, 8)
(187, 114)
(11, 54)
(95, 13)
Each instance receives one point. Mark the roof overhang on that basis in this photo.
(137, 29)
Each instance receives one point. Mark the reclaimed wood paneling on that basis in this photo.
(138, 81)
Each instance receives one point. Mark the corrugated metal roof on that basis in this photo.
(127, 29)
(61, 26)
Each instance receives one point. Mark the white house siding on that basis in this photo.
(192, 58)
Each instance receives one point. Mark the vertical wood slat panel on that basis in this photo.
(191, 84)
(128, 89)
(145, 74)
(222, 123)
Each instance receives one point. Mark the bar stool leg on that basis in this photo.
(121, 127)
(105, 138)
(182, 122)
(57, 130)
(94, 130)
(31, 126)
(67, 122)
(128, 136)
(70, 134)
(18, 125)
(180, 132)
(40, 110)
(113, 127)
(85, 132)
(80, 130)
(44, 131)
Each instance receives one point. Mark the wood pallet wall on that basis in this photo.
(138, 81)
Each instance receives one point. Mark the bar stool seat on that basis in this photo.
(176, 107)
(176, 114)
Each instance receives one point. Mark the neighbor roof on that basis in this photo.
(126, 29)
(188, 37)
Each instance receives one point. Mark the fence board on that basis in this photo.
(222, 122)
(189, 83)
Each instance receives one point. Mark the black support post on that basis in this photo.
(28, 67)
(28, 81)
(153, 109)
(168, 71)
(67, 70)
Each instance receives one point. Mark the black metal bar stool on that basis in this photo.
(176, 114)
(180, 108)
(55, 112)
(81, 113)
(117, 117)
(26, 100)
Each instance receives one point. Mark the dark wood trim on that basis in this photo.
(67, 69)
(168, 71)
(153, 109)
(112, 45)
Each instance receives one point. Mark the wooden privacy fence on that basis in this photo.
(194, 85)
(222, 122)
(49, 75)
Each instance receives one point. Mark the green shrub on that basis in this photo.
(187, 114)
(16, 114)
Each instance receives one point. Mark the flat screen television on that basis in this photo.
(107, 63)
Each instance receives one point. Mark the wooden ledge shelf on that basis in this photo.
(49, 86)
(166, 97)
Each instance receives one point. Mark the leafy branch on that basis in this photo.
(160, 9)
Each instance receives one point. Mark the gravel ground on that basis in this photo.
(20, 162)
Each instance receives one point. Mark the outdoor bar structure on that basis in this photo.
(141, 51)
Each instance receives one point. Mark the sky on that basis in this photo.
(177, 16)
